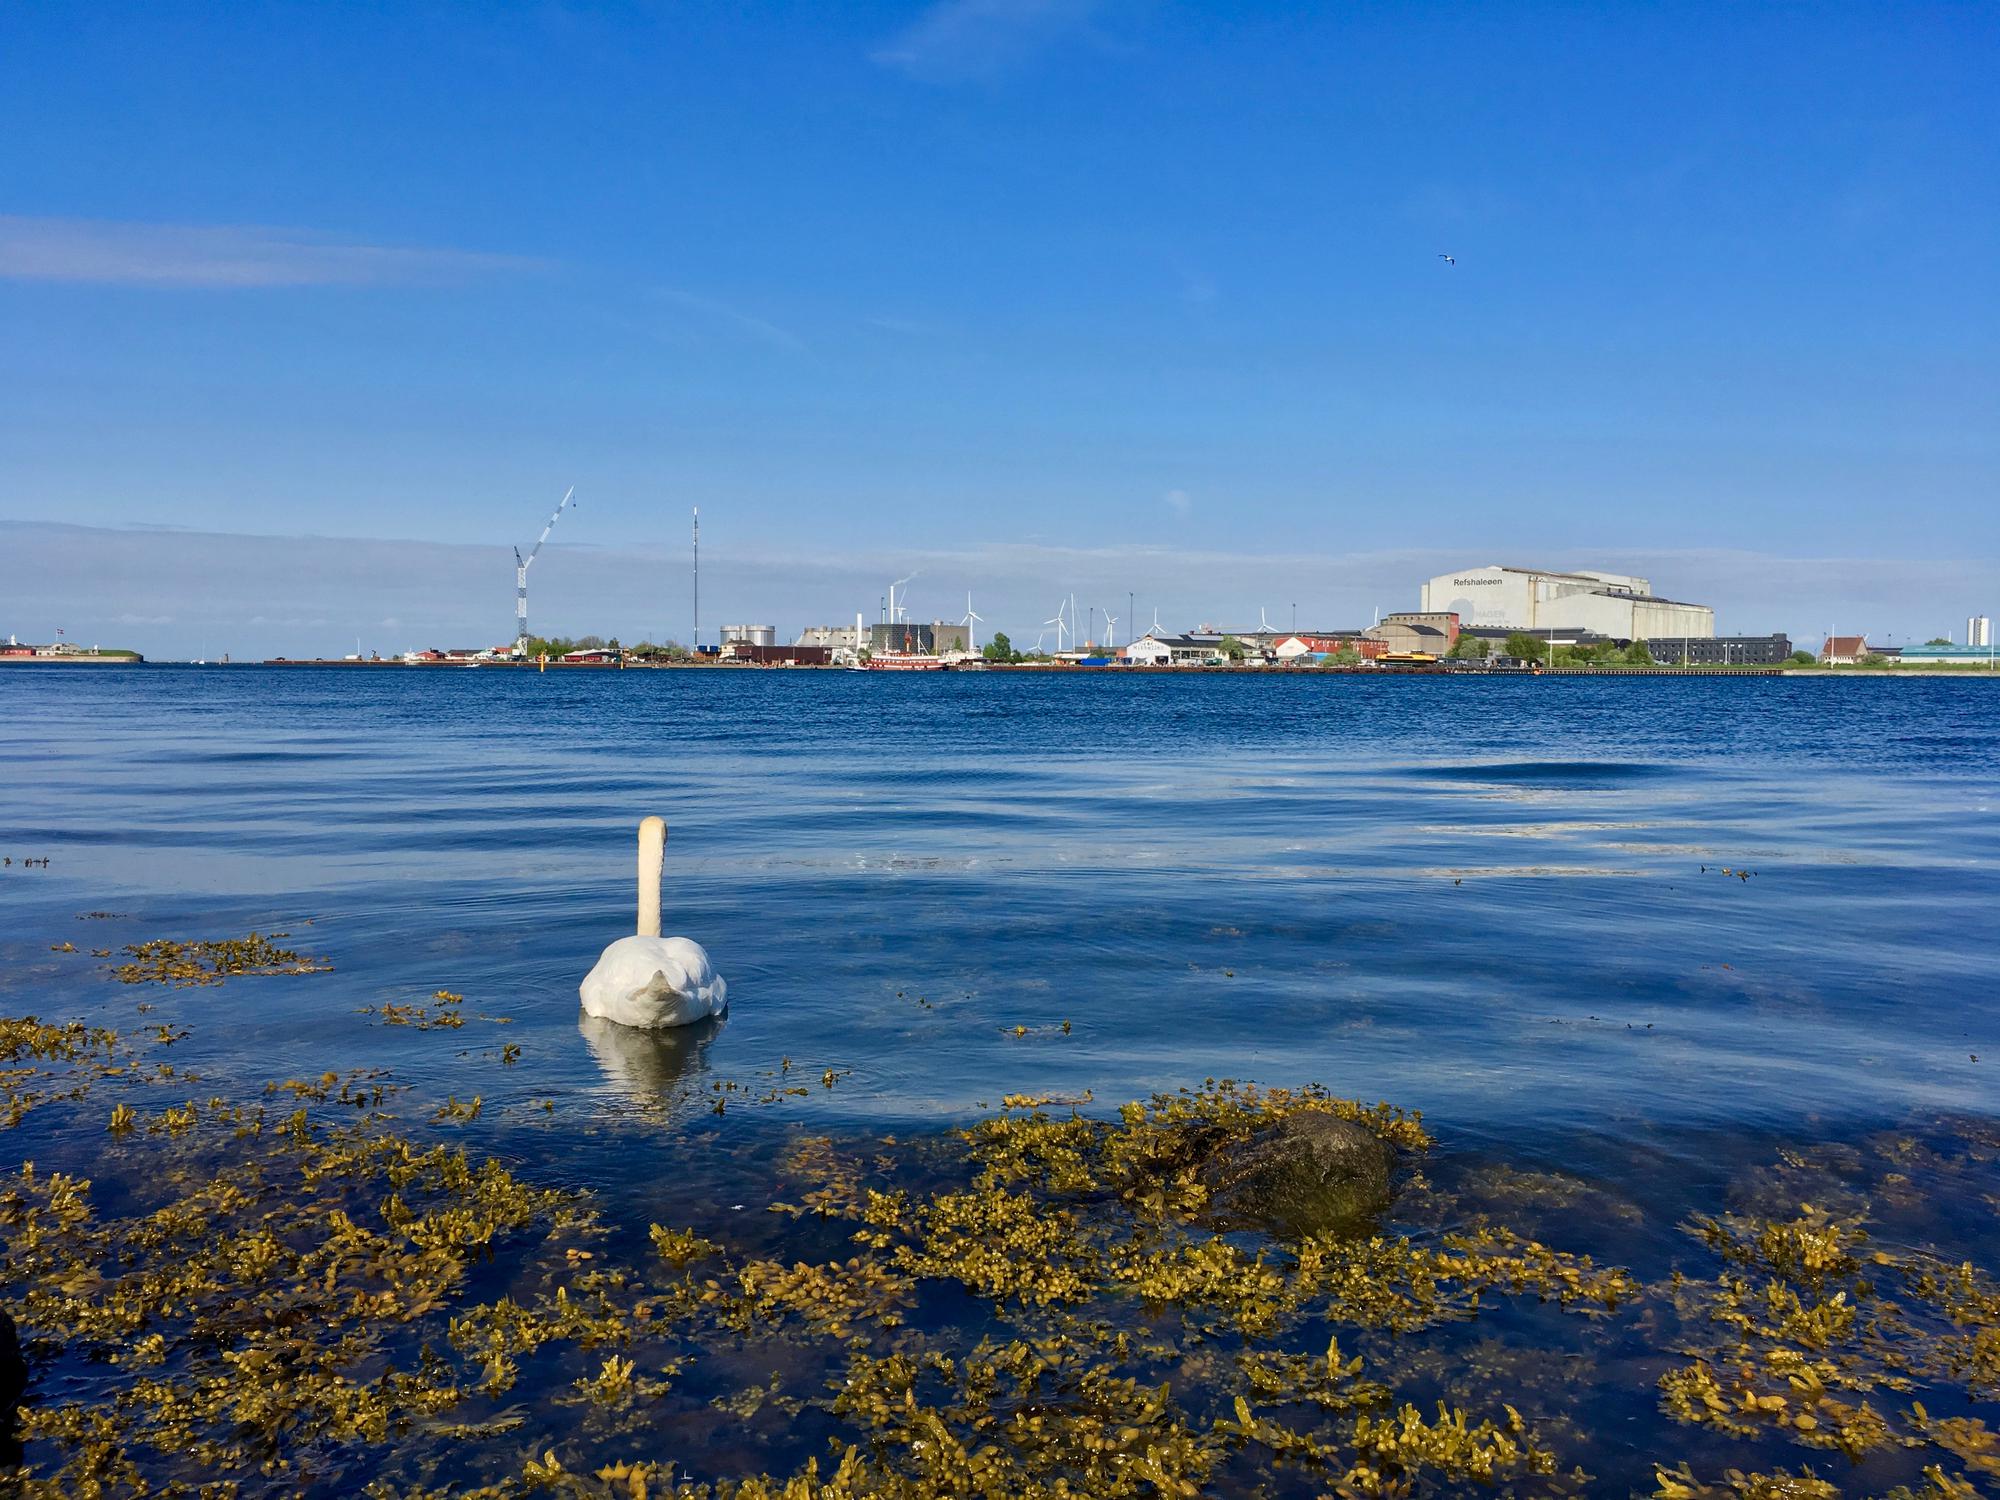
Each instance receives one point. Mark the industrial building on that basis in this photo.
(1431, 631)
(1304, 646)
(1406, 637)
(834, 637)
(1978, 630)
(1614, 605)
(750, 635)
(778, 656)
(1979, 655)
(1720, 650)
(1172, 650)
(937, 637)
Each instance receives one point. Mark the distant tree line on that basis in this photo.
(1525, 647)
(558, 645)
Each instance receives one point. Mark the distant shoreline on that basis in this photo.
(83, 659)
(1043, 668)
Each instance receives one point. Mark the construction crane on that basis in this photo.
(521, 566)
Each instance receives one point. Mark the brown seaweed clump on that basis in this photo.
(442, 1014)
(42, 1063)
(1814, 1334)
(201, 962)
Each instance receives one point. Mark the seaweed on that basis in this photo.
(184, 964)
(305, 1291)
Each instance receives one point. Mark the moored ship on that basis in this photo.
(905, 661)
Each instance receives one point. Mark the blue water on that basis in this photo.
(1483, 898)
(1517, 905)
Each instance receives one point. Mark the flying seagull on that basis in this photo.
(1448, 260)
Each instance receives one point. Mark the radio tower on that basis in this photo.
(521, 574)
(695, 646)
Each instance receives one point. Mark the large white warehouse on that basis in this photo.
(1610, 604)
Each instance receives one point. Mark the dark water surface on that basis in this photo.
(1481, 898)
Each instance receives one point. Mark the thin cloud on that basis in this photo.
(1197, 287)
(1442, 205)
(914, 328)
(300, 596)
(760, 329)
(1178, 501)
(116, 253)
(960, 39)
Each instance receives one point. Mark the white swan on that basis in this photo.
(649, 980)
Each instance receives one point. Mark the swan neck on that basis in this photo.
(652, 853)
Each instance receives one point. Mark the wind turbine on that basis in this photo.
(971, 622)
(521, 567)
(1156, 620)
(1058, 622)
(1111, 628)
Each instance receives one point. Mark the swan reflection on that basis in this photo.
(649, 1066)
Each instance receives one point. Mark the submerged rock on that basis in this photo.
(1306, 1173)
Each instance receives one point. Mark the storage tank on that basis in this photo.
(755, 635)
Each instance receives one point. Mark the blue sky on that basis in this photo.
(1032, 295)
